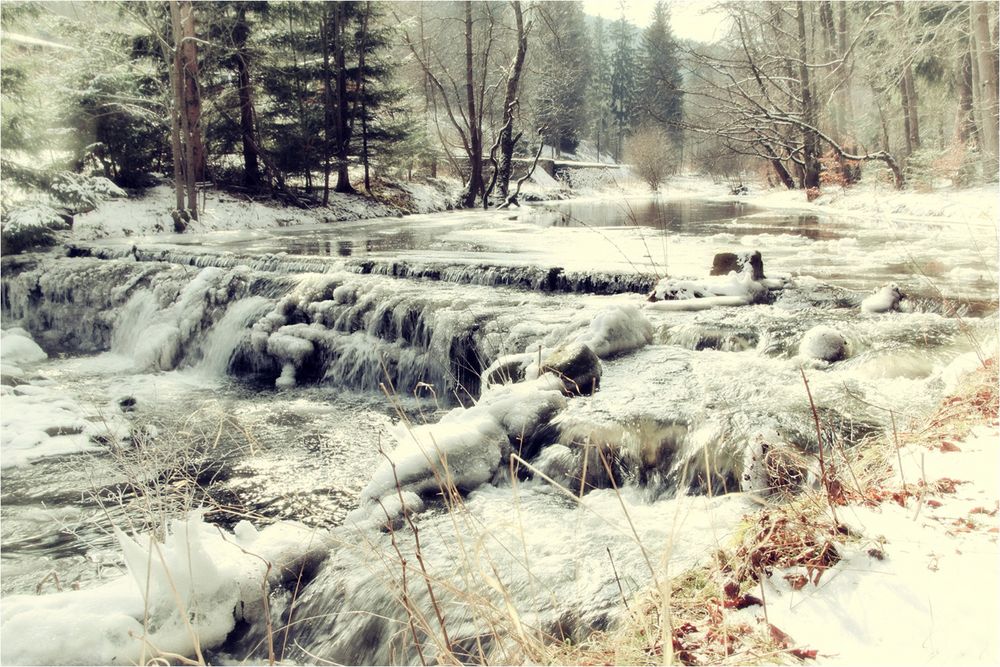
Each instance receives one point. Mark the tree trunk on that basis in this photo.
(192, 106)
(251, 168)
(507, 140)
(965, 122)
(846, 103)
(176, 106)
(475, 184)
(362, 47)
(343, 133)
(986, 86)
(908, 93)
(782, 173)
(904, 94)
(327, 102)
(830, 49)
(179, 22)
(810, 143)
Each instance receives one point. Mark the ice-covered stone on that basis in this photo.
(17, 348)
(577, 367)
(883, 299)
(824, 343)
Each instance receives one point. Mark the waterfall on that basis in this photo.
(224, 338)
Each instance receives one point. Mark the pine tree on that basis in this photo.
(565, 72)
(599, 90)
(660, 98)
(622, 82)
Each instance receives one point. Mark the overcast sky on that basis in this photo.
(689, 19)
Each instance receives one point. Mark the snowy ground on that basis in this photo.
(920, 585)
(873, 200)
(150, 213)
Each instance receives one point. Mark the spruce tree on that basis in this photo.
(622, 82)
(660, 98)
(599, 91)
(565, 72)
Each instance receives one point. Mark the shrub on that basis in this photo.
(28, 225)
(83, 193)
(651, 154)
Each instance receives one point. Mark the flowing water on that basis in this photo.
(274, 366)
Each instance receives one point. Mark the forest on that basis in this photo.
(499, 332)
(286, 98)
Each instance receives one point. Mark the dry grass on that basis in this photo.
(799, 535)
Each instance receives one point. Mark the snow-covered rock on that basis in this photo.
(466, 447)
(615, 329)
(17, 348)
(577, 367)
(825, 344)
(188, 591)
(883, 299)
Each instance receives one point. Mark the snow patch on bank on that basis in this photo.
(150, 213)
(37, 420)
(921, 589)
(976, 206)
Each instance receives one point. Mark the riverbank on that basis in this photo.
(149, 212)
(639, 478)
(896, 563)
(878, 202)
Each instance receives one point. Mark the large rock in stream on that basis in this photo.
(825, 344)
(577, 366)
(883, 300)
(464, 450)
(724, 262)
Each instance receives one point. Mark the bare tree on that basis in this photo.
(759, 95)
(465, 83)
(507, 139)
(985, 80)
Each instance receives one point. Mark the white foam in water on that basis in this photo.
(155, 338)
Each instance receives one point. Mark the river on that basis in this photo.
(270, 367)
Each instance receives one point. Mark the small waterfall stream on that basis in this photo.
(302, 349)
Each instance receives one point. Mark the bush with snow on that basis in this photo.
(651, 154)
(82, 193)
(29, 225)
(34, 222)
